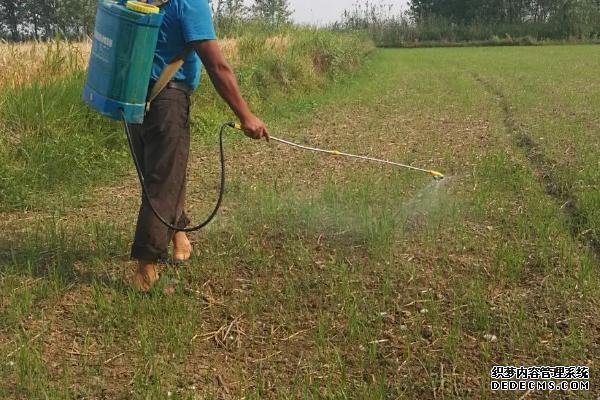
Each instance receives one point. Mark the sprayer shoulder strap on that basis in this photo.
(167, 74)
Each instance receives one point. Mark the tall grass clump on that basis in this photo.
(296, 59)
(276, 66)
(52, 144)
(49, 140)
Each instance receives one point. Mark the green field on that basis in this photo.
(324, 278)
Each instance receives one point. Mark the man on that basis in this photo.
(162, 141)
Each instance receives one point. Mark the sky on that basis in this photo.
(325, 11)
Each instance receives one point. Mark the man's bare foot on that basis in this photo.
(182, 248)
(145, 276)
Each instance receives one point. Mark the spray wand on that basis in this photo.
(438, 176)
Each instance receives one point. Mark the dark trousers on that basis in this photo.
(162, 145)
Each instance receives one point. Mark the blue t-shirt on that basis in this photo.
(184, 21)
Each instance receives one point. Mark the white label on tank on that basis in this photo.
(105, 40)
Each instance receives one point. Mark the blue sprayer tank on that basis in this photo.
(120, 63)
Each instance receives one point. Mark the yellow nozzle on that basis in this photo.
(237, 126)
(336, 153)
(436, 175)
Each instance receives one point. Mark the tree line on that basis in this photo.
(27, 19)
(569, 17)
(484, 21)
(73, 19)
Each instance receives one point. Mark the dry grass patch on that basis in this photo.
(41, 62)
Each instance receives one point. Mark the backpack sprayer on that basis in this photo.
(125, 37)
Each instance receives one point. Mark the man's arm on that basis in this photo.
(225, 83)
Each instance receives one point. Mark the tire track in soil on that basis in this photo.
(541, 165)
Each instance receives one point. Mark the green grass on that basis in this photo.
(51, 143)
(330, 279)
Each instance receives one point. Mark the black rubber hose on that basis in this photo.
(214, 212)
